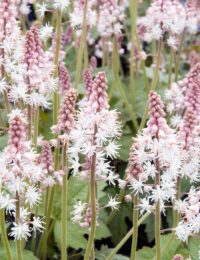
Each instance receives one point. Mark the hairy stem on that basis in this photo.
(64, 204)
(81, 49)
(56, 63)
(118, 83)
(170, 67)
(154, 82)
(178, 191)
(43, 241)
(133, 11)
(135, 227)
(90, 243)
(36, 126)
(157, 221)
(17, 219)
(4, 235)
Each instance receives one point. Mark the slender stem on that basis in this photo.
(33, 242)
(36, 125)
(135, 227)
(157, 220)
(29, 121)
(93, 203)
(178, 191)
(55, 119)
(17, 219)
(118, 83)
(154, 83)
(4, 235)
(133, 11)
(56, 63)
(29, 108)
(134, 4)
(64, 204)
(127, 236)
(156, 74)
(35, 135)
(170, 67)
(81, 49)
(43, 239)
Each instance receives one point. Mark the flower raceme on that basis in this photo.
(162, 16)
(155, 150)
(20, 174)
(87, 142)
(66, 113)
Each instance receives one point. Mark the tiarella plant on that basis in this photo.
(99, 129)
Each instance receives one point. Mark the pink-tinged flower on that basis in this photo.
(193, 58)
(7, 18)
(192, 92)
(64, 79)
(192, 15)
(185, 95)
(88, 82)
(98, 98)
(155, 150)
(45, 159)
(190, 217)
(17, 132)
(134, 169)
(162, 16)
(157, 125)
(111, 17)
(66, 113)
(87, 217)
(76, 16)
(38, 71)
(33, 57)
(178, 257)
(188, 129)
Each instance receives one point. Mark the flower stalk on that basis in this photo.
(64, 204)
(17, 219)
(81, 48)
(157, 220)
(135, 227)
(93, 203)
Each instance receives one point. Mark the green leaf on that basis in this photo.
(169, 243)
(169, 246)
(27, 255)
(118, 225)
(182, 250)
(150, 227)
(3, 141)
(102, 231)
(78, 190)
(194, 247)
(125, 142)
(75, 235)
(105, 251)
(146, 253)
